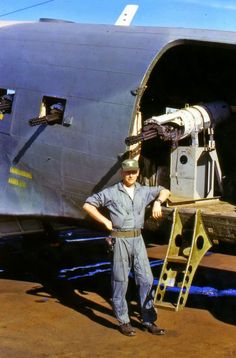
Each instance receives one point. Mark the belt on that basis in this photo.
(129, 233)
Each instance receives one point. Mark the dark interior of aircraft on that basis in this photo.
(192, 73)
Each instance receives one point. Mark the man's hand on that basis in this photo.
(95, 214)
(108, 224)
(156, 210)
(162, 197)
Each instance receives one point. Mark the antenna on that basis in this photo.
(127, 15)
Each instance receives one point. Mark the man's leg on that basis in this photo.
(120, 274)
(120, 307)
(144, 279)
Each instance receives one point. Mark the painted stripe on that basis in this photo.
(17, 182)
(20, 172)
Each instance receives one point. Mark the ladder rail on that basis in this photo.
(186, 248)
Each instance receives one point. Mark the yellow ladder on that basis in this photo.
(188, 244)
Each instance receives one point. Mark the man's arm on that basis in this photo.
(162, 197)
(96, 215)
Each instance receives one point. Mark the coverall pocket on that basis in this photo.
(120, 270)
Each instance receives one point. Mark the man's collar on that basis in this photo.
(122, 188)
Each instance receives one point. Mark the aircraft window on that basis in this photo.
(51, 112)
(6, 101)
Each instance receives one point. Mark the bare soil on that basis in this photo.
(41, 319)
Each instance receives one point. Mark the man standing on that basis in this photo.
(126, 202)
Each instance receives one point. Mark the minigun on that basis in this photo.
(55, 116)
(6, 103)
(189, 121)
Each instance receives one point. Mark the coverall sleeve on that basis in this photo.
(100, 199)
(152, 193)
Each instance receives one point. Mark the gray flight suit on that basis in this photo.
(126, 215)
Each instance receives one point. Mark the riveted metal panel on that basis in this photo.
(96, 69)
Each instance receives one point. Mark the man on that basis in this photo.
(126, 202)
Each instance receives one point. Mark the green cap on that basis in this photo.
(129, 165)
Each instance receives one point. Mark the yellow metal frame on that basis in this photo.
(187, 246)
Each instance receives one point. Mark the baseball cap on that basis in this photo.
(129, 165)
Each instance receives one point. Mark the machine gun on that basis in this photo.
(55, 116)
(194, 168)
(153, 130)
(6, 103)
(179, 124)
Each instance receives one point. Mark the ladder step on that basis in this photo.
(178, 259)
(165, 305)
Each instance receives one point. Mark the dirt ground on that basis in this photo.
(40, 320)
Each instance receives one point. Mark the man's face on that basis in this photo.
(129, 177)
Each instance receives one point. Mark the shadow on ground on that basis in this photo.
(37, 262)
(217, 293)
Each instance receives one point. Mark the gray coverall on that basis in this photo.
(127, 214)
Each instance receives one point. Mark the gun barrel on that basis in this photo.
(5, 107)
(49, 119)
(37, 121)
